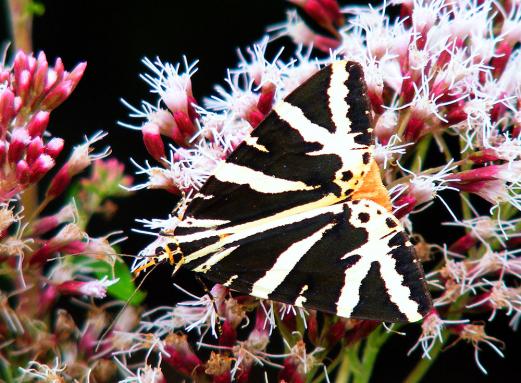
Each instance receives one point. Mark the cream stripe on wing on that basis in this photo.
(285, 263)
(337, 93)
(258, 181)
(204, 267)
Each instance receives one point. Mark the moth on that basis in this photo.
(298, 213)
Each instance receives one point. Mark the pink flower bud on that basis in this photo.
(499, 63)
(180, 355)
(41, 166)
(7, 109)
(405, 204)
(60, 182)
(486, 155)
(57, 95)
(228, 336)
(414, 129)
(184, 123)
(326, 44)
(54, 75)
(254, 117)
(22, 86)
(95, 289)
(54, 147)
(19, 64)
(19, 140)
(23, 172)
(34, 149)
(48, 297)
(3, 151)
(266, 98)
(38, 124)
(408, 91)
(463, 244)
(192, 113)
(40, 76)
(77, 73)
(153, 141)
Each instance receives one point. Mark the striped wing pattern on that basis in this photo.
(277, 219)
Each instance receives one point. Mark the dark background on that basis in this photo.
(113, 37)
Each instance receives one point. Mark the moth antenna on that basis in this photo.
(210, 295)
(127, 302)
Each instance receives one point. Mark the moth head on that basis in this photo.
(164, 248)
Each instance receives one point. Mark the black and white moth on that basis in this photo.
(298, 213)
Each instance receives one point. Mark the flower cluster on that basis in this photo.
(45, 252)
(444, 83)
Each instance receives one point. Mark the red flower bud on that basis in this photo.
(228, 336)
(22, 172)
(7, 109)
(181, 357)
(266, 98)
(57, 95)
(41, 167)
(19, 140)
(153, 142)
(463, 244)
(54, 147)
(254, 117)
(34, 149)
(77, 73)
(38, 124)
(499, 63)
(406, 204)
(40, 75)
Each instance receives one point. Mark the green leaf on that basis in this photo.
(125, 289)
(35, 8)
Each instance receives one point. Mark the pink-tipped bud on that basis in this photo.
(228, 336)
(266, 98)
(3, 151)
(408, 91)
(254, 117)
(34, 149)
(41, 166)
(185, 124)
(77, 73)
(38, 124)
(40, 76)
(22, 86)
(192, 113)
(463, 244)
(7, 109)
(60, 182)
(405, 205)
(486, 155)
(54, 75)
(95, 289)
(57, 95)
(326, 44)
(153, 142)
(54, 147)
(19, 140)
(23, 172)
(180, 356)
(456, 115)
(499, 63)
(414, 129)
(19, 65)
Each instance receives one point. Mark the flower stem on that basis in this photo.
(373, 345)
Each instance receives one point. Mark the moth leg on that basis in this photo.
(210, 295)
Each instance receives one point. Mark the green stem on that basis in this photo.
(373, 345)
(350, 364)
